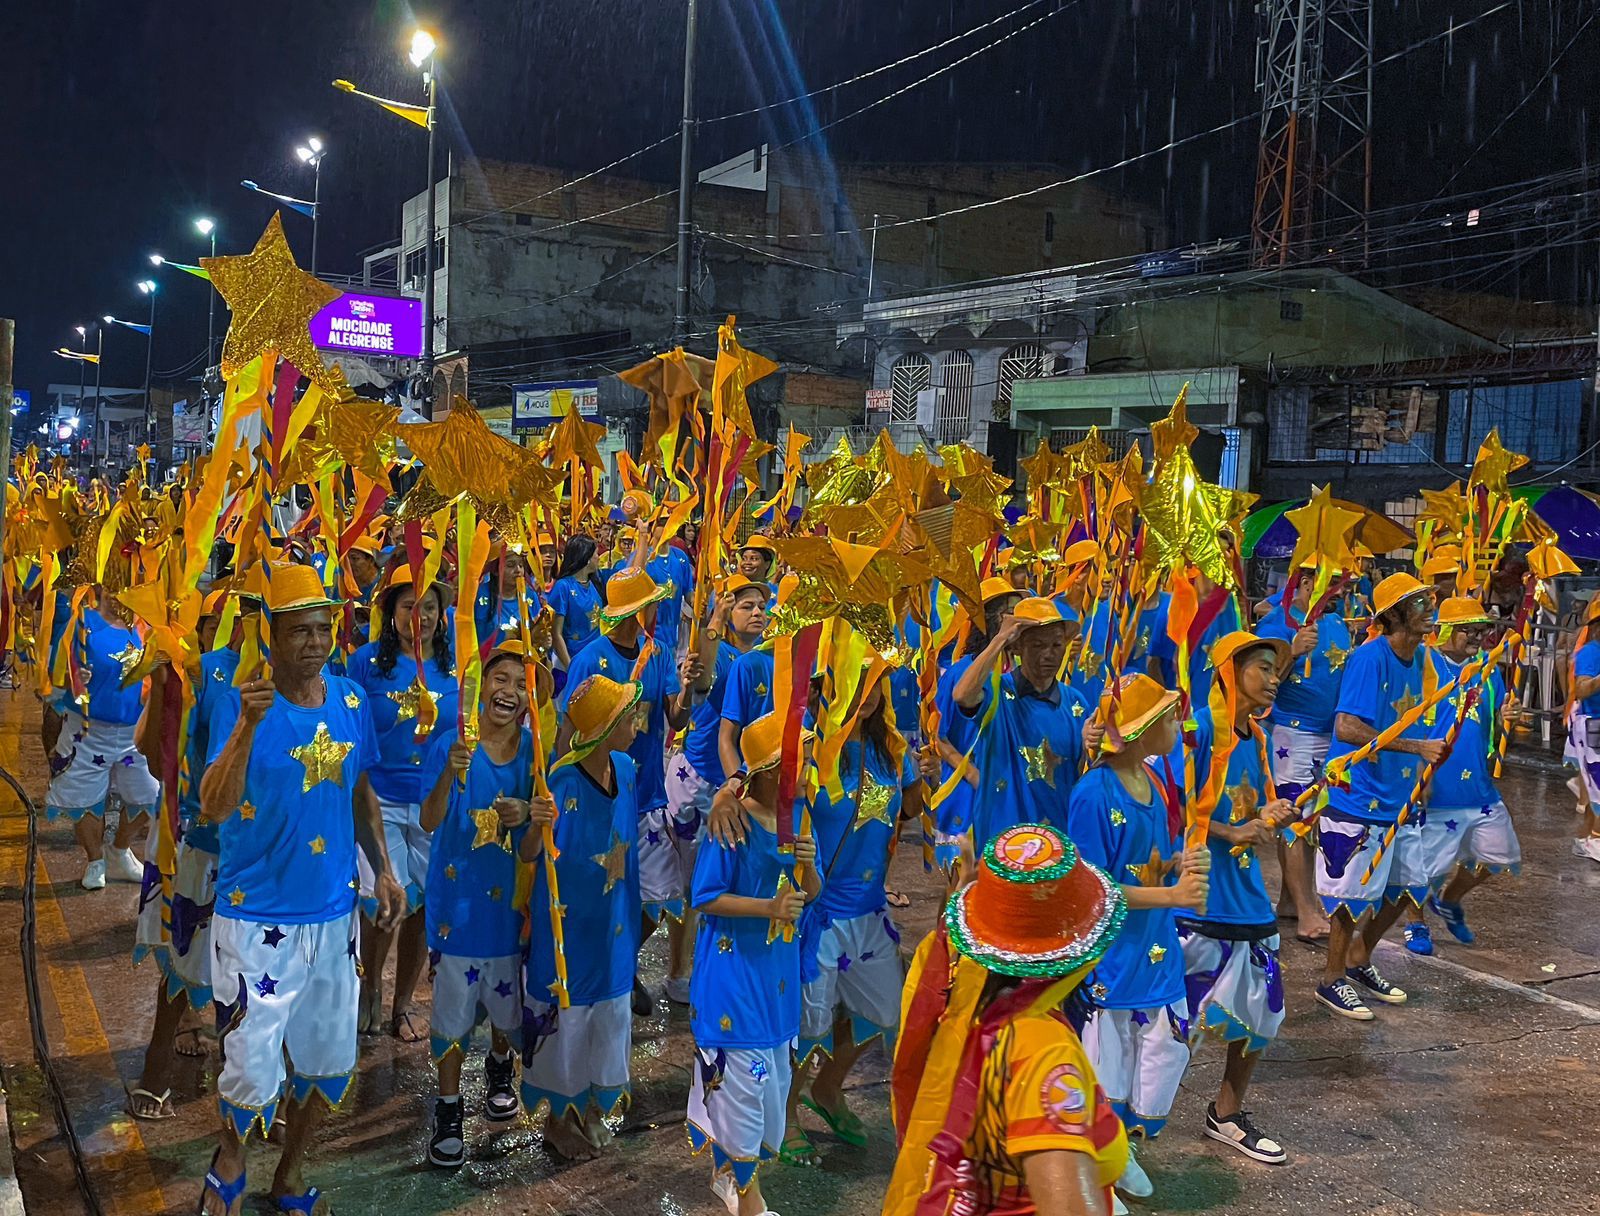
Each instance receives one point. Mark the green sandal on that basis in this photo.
(803, 1156)
(847, 1125)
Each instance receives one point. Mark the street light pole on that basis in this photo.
(100, 362)
(149, 288)
(428, 267)
(316, 209)
(680, 320)
(83, 364)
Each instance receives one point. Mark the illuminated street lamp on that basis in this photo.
(311, 153)
(148, 286)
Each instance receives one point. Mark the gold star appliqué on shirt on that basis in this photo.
(1042, 763)
(614, 861)
(319, 846)
(489, 831)
(410, 700)
(323, 758)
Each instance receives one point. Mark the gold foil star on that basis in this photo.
(614, 861)
(1153, 873)
(319, 846)
(874, 803)
(761, 690)
(726, 1023)
(450, 873)
(1077, 709)
(1405, 703)
(1099, 992)
(1336, 658)
(410, 700)
(236, 896)
(1245, 802)
(489, 830)
(352, 700)
(1042, 763)
(272, 301)
(247, 812)
(1117, 818)
(129, 657)
(780, 928)
(724, 944)
(1466, 774)
(323, 758)
(1157, 953)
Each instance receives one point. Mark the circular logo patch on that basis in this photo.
(1026, 849)
(1064, 1098)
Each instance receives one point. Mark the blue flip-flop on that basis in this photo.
(306, 1203)
(228, 1192)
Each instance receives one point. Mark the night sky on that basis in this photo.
(125, 122)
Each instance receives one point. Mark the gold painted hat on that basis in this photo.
(1395, 588)
(1140, 703)
(1227, 647)
(996, 588)
(761, 744)
(1461, 610)
(628, 593)
(596, 706)
(293, 588)
(1040, 610)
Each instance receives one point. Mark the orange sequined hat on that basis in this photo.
(1036, 907)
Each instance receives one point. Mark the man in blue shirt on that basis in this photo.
(288, 757)
(1384, 680)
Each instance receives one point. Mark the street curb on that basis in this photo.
(10, 1192)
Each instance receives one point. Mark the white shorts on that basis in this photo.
(1297, 759)
(1235, 988)
(571, 1057)
(100, 760)
(1346, 847)
(1139, 1057)
(736, 1107)
(175, 930)
(409, 849)
(468, 990)
(669, 838)
(1581, 756)
(1478, 838)
(861, 974)
(283, 987)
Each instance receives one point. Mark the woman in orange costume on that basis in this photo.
(995, 1102)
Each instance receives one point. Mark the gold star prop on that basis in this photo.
(1495, 461)
(614, 861)
(489, 831)
(323, 758)
(410, 700)
(272, 301)
(462, 457)
(874, 802)
(1175, 430)
(1153, 873)
(1324, 532)
(1042, 763)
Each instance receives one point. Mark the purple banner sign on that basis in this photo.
(370, 325)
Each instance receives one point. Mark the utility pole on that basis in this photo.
(316, 206)
(99, 362)
(8, 336)
(428, 266)
(149, 359)
(680, 319)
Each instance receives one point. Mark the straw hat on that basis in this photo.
(596, 706)
(1438, 564)
(1080, 552)
(1038, 610)
(761, 744)
(1139, 704)
(996, 588)
(1036, 907)
(1227, 647)
(628, 593)
(736, 583)
(1461, 610)
(1394, 589)
(295, 589)
(761, 544)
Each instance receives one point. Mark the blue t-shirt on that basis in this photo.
(472, 878)
(1087, 675)
(108, 653)
(660, 681)
(953, 816)
(1238, 892)
(1586, 665)
(749, 694)
(1308, 702)
(905, 697)
(1153, 643)
(217, 668)
(852, 848)
(396, 701)
(578, 605)
(1378, 688)
(1201, 672)
(498, 618)
(705, 720)
(1134, 844)
(1027, 757)
(672, 569)
(1463, 778)
(597, 837)
(745, 990)
(288, 851)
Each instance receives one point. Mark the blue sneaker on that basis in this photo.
(1419, 938)
(1454, 919)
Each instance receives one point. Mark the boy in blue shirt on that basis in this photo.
(1230, 948)
(744, 1003)
(1124, 817)
(1384, 679)
(479, 808)
(576, 1059)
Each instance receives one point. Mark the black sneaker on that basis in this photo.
(447, 1148)
(1239, 1132)
(1342, 997)
(1374, 983)
(643, 1003)
(500, 1103)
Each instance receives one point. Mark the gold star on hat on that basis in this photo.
(1042, 763)
(323, 758)
(272, 301)
(614, 861)
(489, 830)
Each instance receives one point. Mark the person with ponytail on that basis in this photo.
(1230, 947)
(397, 686)
(575, 600)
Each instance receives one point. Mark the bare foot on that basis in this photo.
(565, 1138)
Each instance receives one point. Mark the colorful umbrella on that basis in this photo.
(1269, 533)
(1572, 513)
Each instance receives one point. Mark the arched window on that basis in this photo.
(1025, 361)
(954, 422)
(910, 375)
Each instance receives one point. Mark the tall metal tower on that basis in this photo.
(1314, 167)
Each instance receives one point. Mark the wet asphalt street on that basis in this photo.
(1478, 1096)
